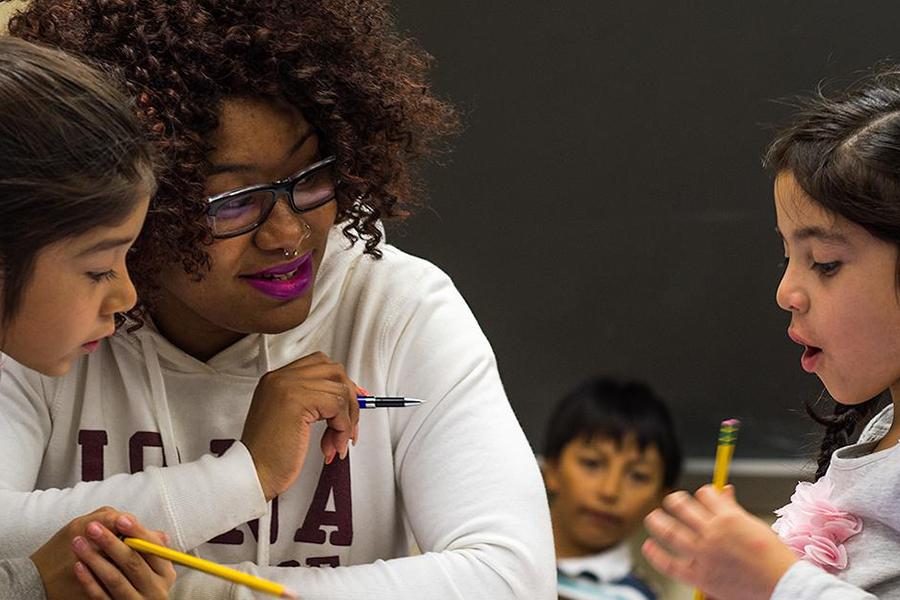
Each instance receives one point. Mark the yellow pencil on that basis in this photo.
(728, 431)
(251, 581)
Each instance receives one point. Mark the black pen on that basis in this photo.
(387, 401)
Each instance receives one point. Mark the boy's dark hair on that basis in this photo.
(611, 408)
(72, 158)
(844, 152)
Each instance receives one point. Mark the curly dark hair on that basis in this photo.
(343, 63)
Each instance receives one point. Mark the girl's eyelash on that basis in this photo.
(826, 269)
(103, 276)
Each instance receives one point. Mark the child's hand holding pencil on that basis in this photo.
(709, 541)
(86, 559)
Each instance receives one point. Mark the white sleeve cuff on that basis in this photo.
(804, 581)
(211, 495)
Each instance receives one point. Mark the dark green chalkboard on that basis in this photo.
(605, 209)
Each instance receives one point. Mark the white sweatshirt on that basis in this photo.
(455, 476)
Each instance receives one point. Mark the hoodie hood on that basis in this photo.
(251, 356)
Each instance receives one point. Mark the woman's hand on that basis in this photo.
(286, 403)
(711, 542)
(86, 560)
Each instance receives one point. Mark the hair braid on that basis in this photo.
(840, 427)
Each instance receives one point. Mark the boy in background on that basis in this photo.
(611, 455)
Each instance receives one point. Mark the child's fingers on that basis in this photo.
(116, 584)
(666, 563)
(671, 532)
(129, 526)
(131, 571)
(683, 506)
(161, 566)
(88, 583)
(714, 500)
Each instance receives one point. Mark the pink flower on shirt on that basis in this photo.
(816, 529)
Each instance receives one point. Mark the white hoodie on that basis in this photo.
(455, 476)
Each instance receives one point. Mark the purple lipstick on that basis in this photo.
(285, 281)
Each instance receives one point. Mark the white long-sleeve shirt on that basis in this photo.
(455, 476)
(867, 485)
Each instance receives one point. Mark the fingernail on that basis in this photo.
(363, 390)
(165, 538)
(124, 522)
(80, 544)
(94, 530)
(344, 452)
(79, 566)
(329, 458)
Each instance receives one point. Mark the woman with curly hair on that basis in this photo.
(289, 129)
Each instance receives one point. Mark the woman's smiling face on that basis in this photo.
(258, 141)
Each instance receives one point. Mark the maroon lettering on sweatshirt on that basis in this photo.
(273, 528)
(136, 445)
(323, 561)
(92, 443)
(235, 537)
(289, 563)
(334, 481)
(232, 537)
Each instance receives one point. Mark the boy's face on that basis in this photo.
(601, 491)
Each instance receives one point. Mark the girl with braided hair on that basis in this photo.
(225, 411)
(837, 202)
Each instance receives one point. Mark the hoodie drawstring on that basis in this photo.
(265, 521)
(160, 405)
(158, 401)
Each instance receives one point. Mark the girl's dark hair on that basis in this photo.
(359, 82)
(72, 158)
(844, 152)
(610, 408)
(840, 426)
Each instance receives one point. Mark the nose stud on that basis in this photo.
(291, 253)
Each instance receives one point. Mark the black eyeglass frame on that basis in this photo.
(278, 188)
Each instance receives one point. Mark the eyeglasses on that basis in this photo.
(240, 211)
